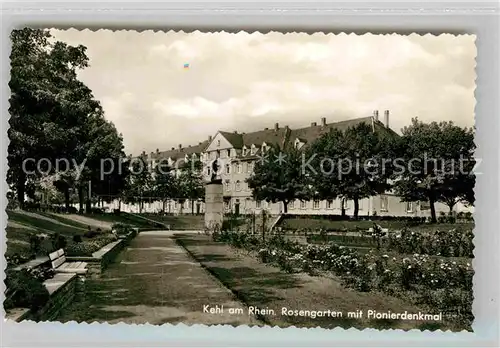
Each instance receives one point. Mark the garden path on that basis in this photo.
(155, 281)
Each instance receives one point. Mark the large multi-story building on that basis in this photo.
(237, 152)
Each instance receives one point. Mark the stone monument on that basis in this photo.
(214, 202)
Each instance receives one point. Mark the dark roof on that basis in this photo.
(180, 153)
(236, 139)
(311, 133)
(276, 137)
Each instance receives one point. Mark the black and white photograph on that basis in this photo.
(261, 179)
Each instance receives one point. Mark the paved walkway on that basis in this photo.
(155, 281)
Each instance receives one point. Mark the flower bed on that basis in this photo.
(441, 285)
(89, 246)
(455, 242)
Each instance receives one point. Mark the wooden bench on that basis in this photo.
(60, 265)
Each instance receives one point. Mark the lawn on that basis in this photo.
(44, 223)
(265, 286)
(22, 224)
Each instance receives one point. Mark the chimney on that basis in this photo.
(323, 121)
(276, 126)
(266, 128)
(199, 143)
(209, 138)
(235, 132)
(180, 146)
(157, 150)
(314, 124)
(173, 148)
(375, 115)
(386, 118)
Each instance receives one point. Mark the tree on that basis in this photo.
(438, 161)
(48, 104)
(139, 183)
(104, 155)
(190, 184)
(278, 177)
(164, 182)
(353, 164)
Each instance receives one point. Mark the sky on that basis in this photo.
(246, 82)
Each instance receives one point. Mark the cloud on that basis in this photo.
(250, 81)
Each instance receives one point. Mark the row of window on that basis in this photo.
(238, 186)
(330, 204)
(238, 168)
(245, 151)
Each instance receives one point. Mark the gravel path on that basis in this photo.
(155, 281)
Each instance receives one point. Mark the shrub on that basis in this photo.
(35, 244)
(24, 291)
(77, 238)
(18, 259)
(58, 241)
(90, 234)
(121, 228)
(79, 249)
(88, 247)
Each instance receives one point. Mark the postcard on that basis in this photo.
(304, 180)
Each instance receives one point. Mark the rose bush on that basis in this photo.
(422, 278)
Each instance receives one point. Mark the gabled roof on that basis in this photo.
(311, 133)
(180, 153)
(235, 139)
(281, 136)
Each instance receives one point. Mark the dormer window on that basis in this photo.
(298, 144)
(218, 143)
(244, 151)
(252, 150)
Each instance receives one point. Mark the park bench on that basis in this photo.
(61, 265)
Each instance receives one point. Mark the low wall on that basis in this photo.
(100, 260)
(62, 289)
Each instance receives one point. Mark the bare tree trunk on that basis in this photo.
(21, 185)
(433, 209)
(81, 199)
(356, 208)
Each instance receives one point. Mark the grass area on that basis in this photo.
(43, 225)
(124, 218)
(179, 222)
(23, 224)
(265, 286)
(312, 224)
(64, 220)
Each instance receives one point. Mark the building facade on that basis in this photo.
(236, 154)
